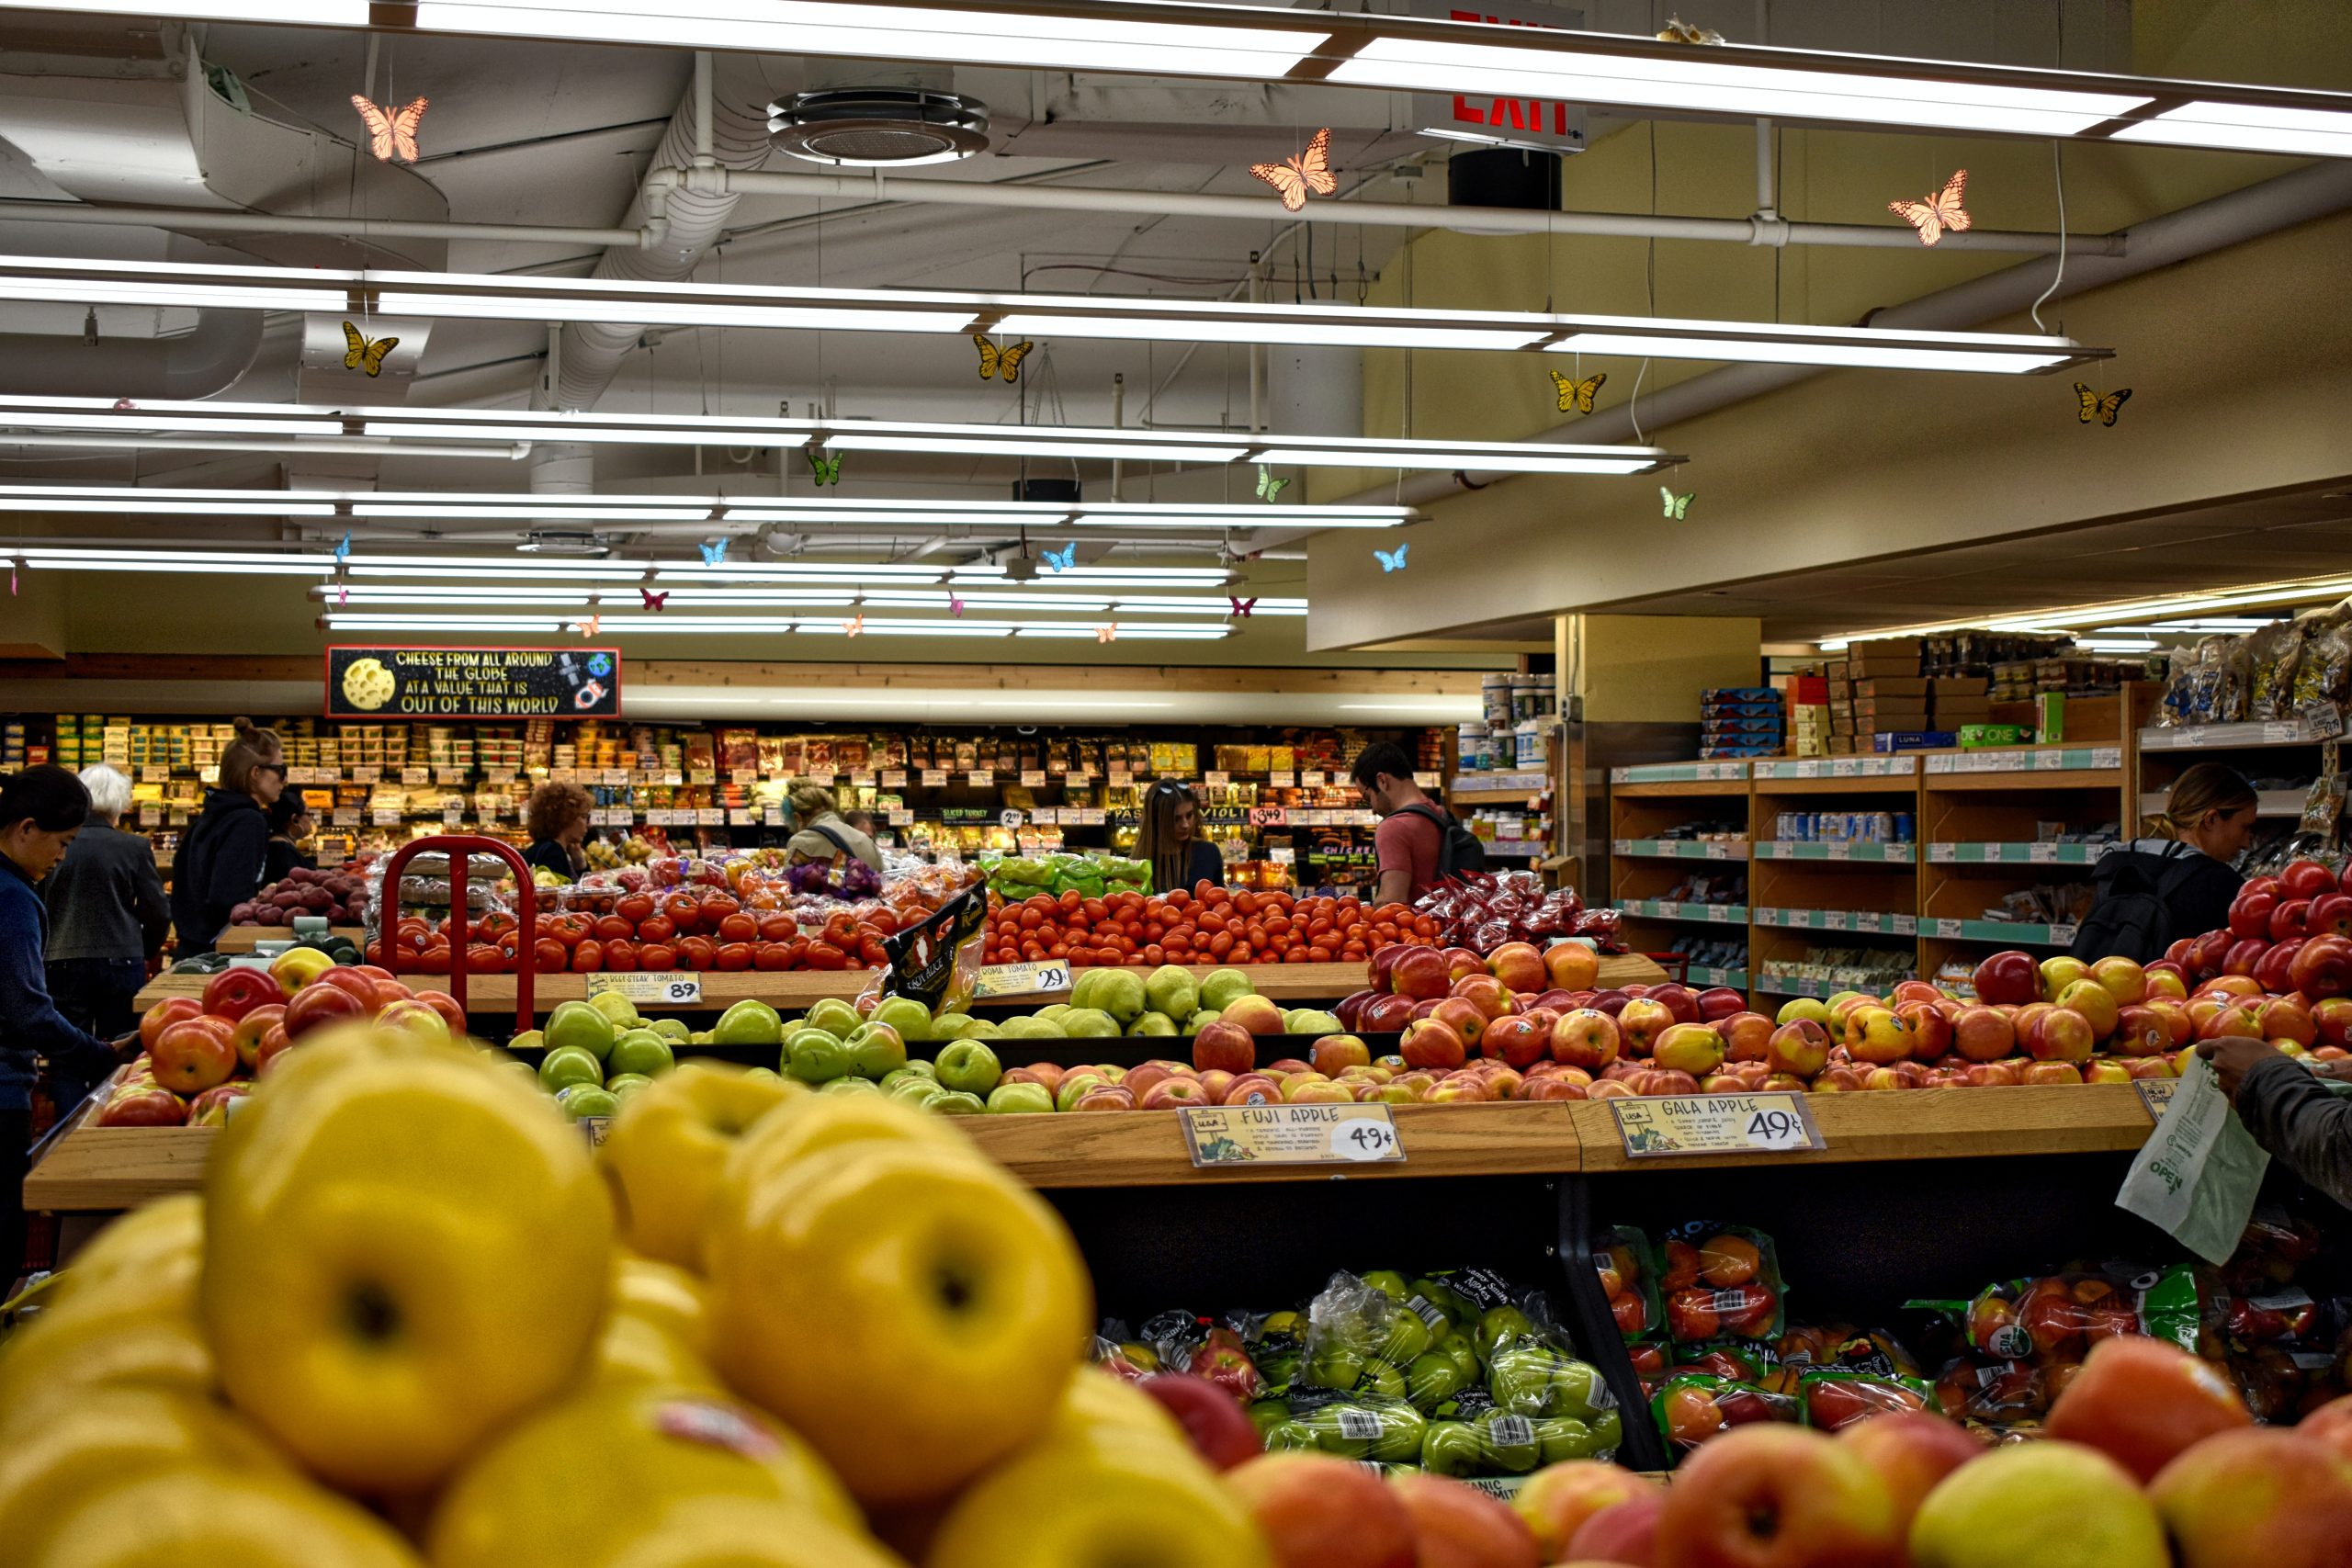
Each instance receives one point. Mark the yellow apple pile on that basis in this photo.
(411, 1320)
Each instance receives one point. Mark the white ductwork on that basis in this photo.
(737, 139)
(201, 363)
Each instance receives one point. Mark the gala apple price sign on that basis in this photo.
(1716, 1125)
(2156, 1095)
(662, 988)
(1292, 1135)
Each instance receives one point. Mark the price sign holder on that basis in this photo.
(1269, 816)
(1715, 1124)
(1292, 1135)
(1019, 980)
(2156, 1095)
(662, 988)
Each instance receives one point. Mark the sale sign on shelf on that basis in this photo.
(1715, 1124)
(1291, 1135)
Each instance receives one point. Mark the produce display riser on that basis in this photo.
(2002, 809)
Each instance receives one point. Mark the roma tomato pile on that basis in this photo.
(1209, 925)
(697, 929)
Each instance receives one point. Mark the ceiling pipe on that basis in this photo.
(201, 362)
(2312, 191)
(667, 182)
(188, 219)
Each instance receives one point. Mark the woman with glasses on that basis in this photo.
(224, 854)
(1167, 845)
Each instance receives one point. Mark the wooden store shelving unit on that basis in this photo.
(1978, 819)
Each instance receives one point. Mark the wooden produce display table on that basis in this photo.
(92, 1169)
(797, 989)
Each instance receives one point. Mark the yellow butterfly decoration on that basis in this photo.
(366, 354)
(2103, 410)
(1310, 171)
(1577, 396)
(1941, 211)
(391, 132)
(1001, 361)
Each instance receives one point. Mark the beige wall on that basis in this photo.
(1651, 669)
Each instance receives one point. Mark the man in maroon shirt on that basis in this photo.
(1410, 834)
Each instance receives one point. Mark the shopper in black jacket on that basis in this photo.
(290, 822)
(225, 850)
(107, 918)
(40, 810)
(2306, 1126)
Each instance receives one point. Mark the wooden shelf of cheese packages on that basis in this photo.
(797, 989)
(102, 1169)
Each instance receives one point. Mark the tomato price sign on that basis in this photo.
(1292, 1135)
(1019, 980)
(660, 988)
(1715, 1124)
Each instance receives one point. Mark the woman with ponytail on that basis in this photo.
(2178, 881)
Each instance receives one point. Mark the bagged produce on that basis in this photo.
(1833, 1398)
(1628, 1276)
(1691, 1407)
(1721, 1282)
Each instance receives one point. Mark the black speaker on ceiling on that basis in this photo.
(1504, 176)
(1062, 492)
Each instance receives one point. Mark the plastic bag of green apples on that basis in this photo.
(1456, 1373)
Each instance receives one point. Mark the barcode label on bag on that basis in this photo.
(1507, 1429)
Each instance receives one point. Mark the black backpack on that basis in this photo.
(1458, 849)
(2131, 911)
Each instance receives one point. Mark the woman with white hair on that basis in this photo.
(107, 917)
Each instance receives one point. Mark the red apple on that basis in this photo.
(2051, 1073)
(2322, 967)
(1518, 1040)
(1624, 1532)
(1718, 1003)
(2243, 955)
(1520, 966)
(274, 1041)
(1483, 991)
(1877, 1036)
(1772, 1495)
(1585, 1038)
(2250, 912)
(1983, 1034)
(2305, 879)
(1679, 1001)
(2094, 1002)
(2144, 1402)
(1641, 1022)
(2141, 1030)
(1800, 1047)
(2272, 969)
(320, 1004)
(1212, 1418)
(1461, 961)
(1420, 973)
(1432, 1042)
(170, 1011)
(2265, 1496)
(1224, 1047)
(1745, 1034)
(1455, 1525)
(1250, 1088)
(2288, 1018)
(1931, 1032)
(252, 1029)
(1557, 1499)
(1334, 1053)
(152, 1106)
(1572, 966)
(1997, 1075)
(2062, 1035)
(2009, 976)
(1911, 1450)
(194, 1054)
(1318, 1511)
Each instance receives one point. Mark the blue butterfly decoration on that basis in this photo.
(1063, 561)
(714, 553)
(343, 550)
(1393, 560)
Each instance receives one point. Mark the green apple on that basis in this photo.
(516, 1065)
(1389, 1283)
(1330, 1434)
(1402, 1428)
(1289, 1434)
(908, 1016)
(1076, 1083)
(812, 1056)
(848, 1085)
(1091, 1023)
(1452, 1448)
(626, 1085)
(1171, 991)
(1120, 995)
(987, 1029)
(968, 1066)
(1507, 1450)
(530, 1040)
(1309, 1021)
(1266, 1413)
(1564, 1437)
(1456, 1306)
(1019, 1099)
(1335, 1366)
(748, 1023)
(1498, 1326)
(699, 1037)
(1053, 1009)
(1382, 1378)
(834, 1016)
(1433, 1380)
(581, 1024)
(876, 1048)
(1222, 988)
(581, 1101)
(640, 1052)
(673, 1030)
(618, 1008)
(956, 1102)
(918, 1093)
(1407, 1337)
(1535, 1379)
(764, 1073)
(952, 1025)
(1156, 1024)
(1457, 1346)
(1026, 1028)
(569, 1065)
(1201, 1019)
(920, 1069)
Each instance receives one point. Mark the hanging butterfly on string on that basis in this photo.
(1310, 171)
(1270, 488)
(1941, 211)
(2102, 409)
(1063, 561)
(655, 602)
(1575, 397)
(391, 134)
(1676, 506)
(1004, 363)
(1107, 634)
(589, 627)
(365, 353)
(1392, 560)
(956, 606)
(853, 626)
(1241, 607)
(714, 552)
(826, 470)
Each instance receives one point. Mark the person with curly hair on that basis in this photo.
(558, 821)
(821, 833)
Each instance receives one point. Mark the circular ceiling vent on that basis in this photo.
(871, 127)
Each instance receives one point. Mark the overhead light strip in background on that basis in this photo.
(2117, 614)
(582, 596)
(623, 625)
(496, 296)
(721, 514)
(1418, 54)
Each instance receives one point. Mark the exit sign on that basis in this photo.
(1545, 125)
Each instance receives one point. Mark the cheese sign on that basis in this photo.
(473, 683)
(1292, 1135)
(1715, 1124)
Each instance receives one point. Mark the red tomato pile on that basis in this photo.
(1209, 925)
(699, 928)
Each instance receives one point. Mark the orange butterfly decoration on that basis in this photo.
(1310, 171)
(854, 626)
(590, 627)
(1107, 634)
(390, 131)
(1939, 212)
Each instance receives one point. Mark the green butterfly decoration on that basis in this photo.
(1270, 488)
(1677, 506)
(828, 470)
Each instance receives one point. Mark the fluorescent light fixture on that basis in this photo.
(502, 297)
(2116, 644)
(1034, 601)
(1267, 43)
(2117, 614)
(671, 624)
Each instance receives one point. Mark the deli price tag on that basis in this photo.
(663, 988)
(1715, 1124)
(1019, 980)
(1292, 1135)
(2156, 1095)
